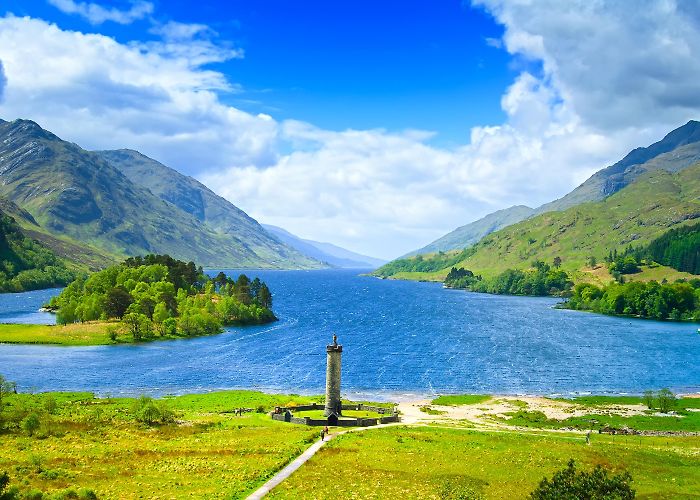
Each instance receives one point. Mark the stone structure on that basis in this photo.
(334, 405)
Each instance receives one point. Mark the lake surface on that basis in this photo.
(400, 340)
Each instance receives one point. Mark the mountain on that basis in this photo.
(679, 149)
(78, 197)
(676, 151)
(202, 203)
(325, 252)
(655, 203)
(469, 234)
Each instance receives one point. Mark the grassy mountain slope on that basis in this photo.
(679, 149)
(644, 210)
(70, 192)
(469, 234)
(325, 252)
(199, 201)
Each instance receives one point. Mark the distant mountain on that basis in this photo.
(325, 252)
(679, 149)
(78, 198)
(199, 201)
(468, 235)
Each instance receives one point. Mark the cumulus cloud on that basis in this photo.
(598, 79)
(3, 81)
(96, 14)
(92, 90)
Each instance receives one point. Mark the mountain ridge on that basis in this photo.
(76, 194)
(326, 252)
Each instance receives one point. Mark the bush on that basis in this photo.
(570, 484)
(666, 399)
(31, 424)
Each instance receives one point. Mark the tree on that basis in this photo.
(557, 262)
(31, 424)
(118, 301)
(666, 399)
(570, 484)
(265, 297)
(649, 399)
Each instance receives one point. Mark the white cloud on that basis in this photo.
(599, 80)
(92, 90)
(96, 14)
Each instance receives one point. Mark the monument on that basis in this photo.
(333, 402)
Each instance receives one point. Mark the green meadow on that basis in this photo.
(433, 462)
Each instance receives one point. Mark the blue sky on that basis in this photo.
(377, 126)
(362, 64)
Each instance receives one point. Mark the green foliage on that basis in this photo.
(542, 280)
(26, 264)
(678, 248)
(159, 294)
(423, 263)
(677, 301)
(152, 412)
(666, 400)
(31, 424)
(570, 484)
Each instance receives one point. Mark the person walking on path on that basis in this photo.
(323, 433)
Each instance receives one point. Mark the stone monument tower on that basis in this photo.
(333, 403)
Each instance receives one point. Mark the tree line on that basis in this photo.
(541, 280)
(160, 295)
(676, 301)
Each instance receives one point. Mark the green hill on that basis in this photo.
(199, 201)
(644, 210)
(26, 264)
(79, 200)
(679, 149)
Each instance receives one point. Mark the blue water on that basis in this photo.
(401, 339)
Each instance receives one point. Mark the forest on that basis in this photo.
(26, 264)
(159, 295)
(542, 280)
(676, 301)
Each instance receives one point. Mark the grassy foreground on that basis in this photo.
(425, 462)
(100, 444)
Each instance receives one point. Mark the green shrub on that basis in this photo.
(570, 484)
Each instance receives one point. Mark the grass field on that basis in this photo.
(75, 334)
(93, 333)
(424, 462)
(98, 444)
(460, 399)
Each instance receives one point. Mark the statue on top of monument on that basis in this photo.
(335, 340)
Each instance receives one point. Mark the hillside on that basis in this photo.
(26, 264)
(654, 204)
(679, 149)
(199, 201)
(325, 252)
(469, 234)
(676, 151)
(70, 192)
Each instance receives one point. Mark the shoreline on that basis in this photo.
(408, 397)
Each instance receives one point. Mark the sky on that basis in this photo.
(377, 126)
